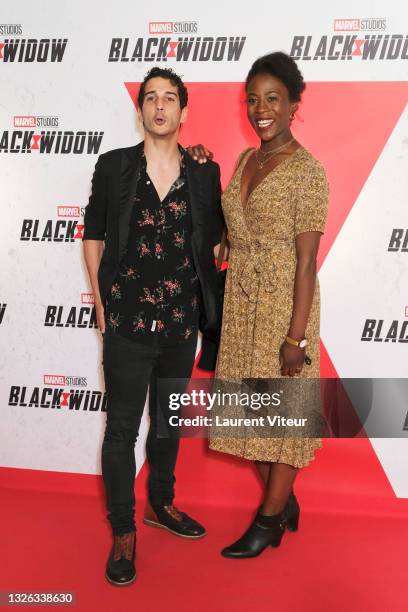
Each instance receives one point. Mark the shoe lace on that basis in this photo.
(174, 513)
(123, 546)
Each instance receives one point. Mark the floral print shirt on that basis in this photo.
(156, 290)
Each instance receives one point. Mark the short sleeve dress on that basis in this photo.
(258, 302)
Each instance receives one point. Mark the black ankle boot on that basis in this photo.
(120, 569)
(291, 512)
(264, 531)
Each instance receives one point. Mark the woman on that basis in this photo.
(275, 209)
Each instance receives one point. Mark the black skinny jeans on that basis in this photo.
(129, 369)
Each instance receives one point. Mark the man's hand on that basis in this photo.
(217, 250)
(93, 250)
(200, 153)
(100, 317)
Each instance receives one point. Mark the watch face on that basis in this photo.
(303, 343)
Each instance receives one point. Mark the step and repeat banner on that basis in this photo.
(69, 76)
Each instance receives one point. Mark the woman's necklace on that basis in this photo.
(270, 154)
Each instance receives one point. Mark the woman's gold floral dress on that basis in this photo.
(258, 303)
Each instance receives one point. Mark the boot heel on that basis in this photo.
(278, 538)
(291, 513)
(292, 523)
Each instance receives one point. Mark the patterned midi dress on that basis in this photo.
(259, 288)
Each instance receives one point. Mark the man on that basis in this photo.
(152, 221)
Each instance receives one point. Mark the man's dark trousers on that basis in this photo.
(129, 368)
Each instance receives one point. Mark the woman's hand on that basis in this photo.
(292, 359)
(200, 153)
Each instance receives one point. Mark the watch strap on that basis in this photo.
(293, 342)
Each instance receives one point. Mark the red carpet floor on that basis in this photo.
(349, 553)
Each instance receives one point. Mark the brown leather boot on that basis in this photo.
(171, 518)
(120, 568)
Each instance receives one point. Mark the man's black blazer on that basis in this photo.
(107, 218)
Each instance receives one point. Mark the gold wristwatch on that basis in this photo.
(300, 343)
